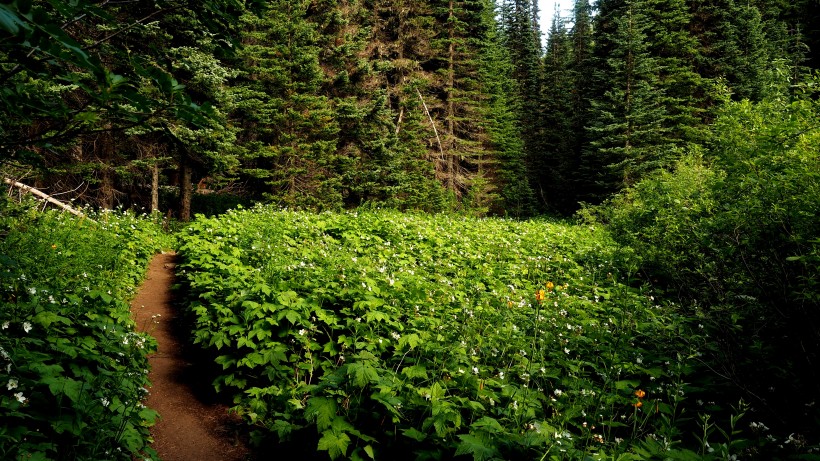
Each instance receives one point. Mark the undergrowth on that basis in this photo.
(72, 368)
(381, 335)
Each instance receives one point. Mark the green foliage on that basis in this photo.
(72, 369)
(413, 336)
(736, 235)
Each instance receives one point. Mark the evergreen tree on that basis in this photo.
(504, 141)
(556, 167)
(522, 37)
(289, 128)
(628, 136)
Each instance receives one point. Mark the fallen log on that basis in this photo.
(46, 197)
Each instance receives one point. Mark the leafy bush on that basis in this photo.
(736, 237)
(429, 337)
(72, 369)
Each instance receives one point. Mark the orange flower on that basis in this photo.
(540, 295)
(54, 247)
(550, 286)
(640, 393)
(638, 404)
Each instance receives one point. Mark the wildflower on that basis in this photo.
(12, 384)
(558, 392)
(302, 332)
(550, 286)
(20, 398)
(638, 404)
(475, 370)
(54, 246)
(26, 327)
(539, 295)
(105, 402)
(395, 335)
(640, 393)
(5, 325)
(32, 291)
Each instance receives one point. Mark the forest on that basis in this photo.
(667, 150)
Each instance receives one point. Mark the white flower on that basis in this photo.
(26, 327)
(558, 392)
(566, 350)
(105, 402)
(475, 370)
(12, 384)
(302, 332)
(20, 398)
(501, 374)
(32, 291)
(5, 325)
(395, 335)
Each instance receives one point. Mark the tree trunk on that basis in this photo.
(184, 188)
(155, 187)
(107, 189)
(451, 168)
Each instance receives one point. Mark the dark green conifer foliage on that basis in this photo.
(685, 95)
(509, 170)
(289, 127)
(628, 136)
(522, 37)
(557, 164)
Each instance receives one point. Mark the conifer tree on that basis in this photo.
(289, 127)
(628, 136)
(557, 164)
(522, 38)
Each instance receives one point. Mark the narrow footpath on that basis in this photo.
(190, 427)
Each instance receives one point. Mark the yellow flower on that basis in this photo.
(637, 404)
(539, 295)
(54, 246)
(550, 286)
(640, 393)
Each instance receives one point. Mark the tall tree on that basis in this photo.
(522, 38)
(557, 164)
(289, 126)
(628, 134)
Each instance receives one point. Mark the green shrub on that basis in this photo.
(735, 236)
(381, 334)
(72, 369)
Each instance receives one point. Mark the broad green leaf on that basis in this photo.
(334, 444)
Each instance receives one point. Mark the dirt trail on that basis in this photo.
(190, 427)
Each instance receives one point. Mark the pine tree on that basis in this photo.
(628, 133)
(557, 164)
(508, 172)
(289, 128)
(522, 38)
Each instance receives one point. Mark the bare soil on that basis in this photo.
(193, 424)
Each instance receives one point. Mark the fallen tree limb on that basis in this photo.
(46, 197)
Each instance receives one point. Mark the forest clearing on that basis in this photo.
(409, 229)
(370, 335)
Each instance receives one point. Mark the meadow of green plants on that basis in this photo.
(72, 368)
(382, 335)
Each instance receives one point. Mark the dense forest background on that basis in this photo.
(432, 105)
(688, 128)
